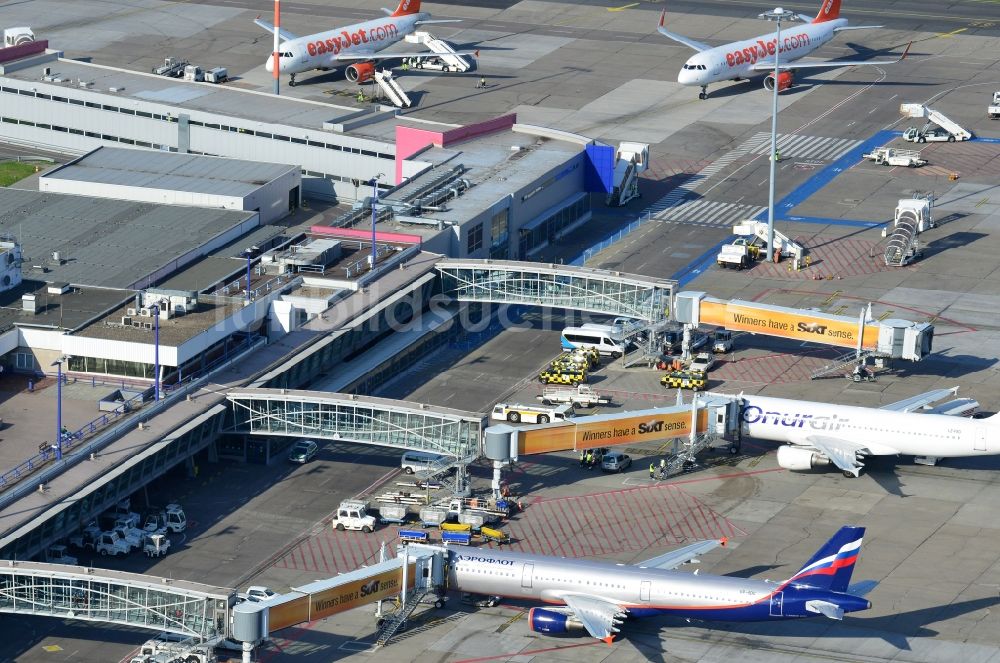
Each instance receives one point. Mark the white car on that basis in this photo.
(702, 362)
(256, 593)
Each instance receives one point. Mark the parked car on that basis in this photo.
(258, 593)
(702, 362)
(615, 461)
(303, 451)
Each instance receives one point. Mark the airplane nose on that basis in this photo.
(269, 65)
(685, 77)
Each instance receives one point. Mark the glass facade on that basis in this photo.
(574, 288)
(552, 227)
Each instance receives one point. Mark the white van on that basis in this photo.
(531, 414)
(604, 339)
(417, 461)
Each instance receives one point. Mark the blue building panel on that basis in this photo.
(600, 173)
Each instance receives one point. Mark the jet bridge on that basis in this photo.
(415, 573)
(897, 339)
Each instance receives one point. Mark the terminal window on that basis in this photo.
(475, 238)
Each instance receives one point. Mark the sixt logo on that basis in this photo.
(660, 426)
(753, 414)
(812, 328)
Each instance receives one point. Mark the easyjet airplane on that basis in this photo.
(356, 45)
(742, 59)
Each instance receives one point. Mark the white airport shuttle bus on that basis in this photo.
(742, 59)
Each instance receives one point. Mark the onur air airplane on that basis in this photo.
(742, 59)
(597, 596)
(356, 45)
(818, 434)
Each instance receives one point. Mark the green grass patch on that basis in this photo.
(12, 171)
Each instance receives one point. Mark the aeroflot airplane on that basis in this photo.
(358, 44)
(599, 595)
(742, 59)
(822, 433)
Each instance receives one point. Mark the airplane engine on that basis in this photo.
(786, 79)
(541, 620)
(360, 72)
(794, 458)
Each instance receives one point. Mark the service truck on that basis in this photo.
(722, 341)
(56, 554)
(532, 414)
(993, 112)
(735, 256)
(928, 135)
(579, 397)
(353, 515)
(892, 156)
(109, 543)
(155, 545)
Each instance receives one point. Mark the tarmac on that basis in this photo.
(932, 541)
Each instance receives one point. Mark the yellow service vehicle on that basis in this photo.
(581, 359)
(693, 380)
(562, 377)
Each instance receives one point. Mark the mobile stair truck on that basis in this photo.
(631, 159)
(913, 216)
(443, 58)
(993, 112)
(393, 92)
(951, 130)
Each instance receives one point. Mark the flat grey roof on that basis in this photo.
(105, 243)
(224, 100)
(172, 171)
(68, 311)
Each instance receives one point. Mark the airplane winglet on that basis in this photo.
(477, 52)
(663, 17)
(903, 57)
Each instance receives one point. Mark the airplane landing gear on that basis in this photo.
(704, 92)
(291, 80)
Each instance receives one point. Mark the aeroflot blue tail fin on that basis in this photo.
(832, 565)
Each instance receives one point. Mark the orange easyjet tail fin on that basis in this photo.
(829, 11)
(407, 7)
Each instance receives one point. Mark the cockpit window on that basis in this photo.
(285, 55)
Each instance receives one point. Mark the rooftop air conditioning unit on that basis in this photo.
(145, 312)
(130, 311)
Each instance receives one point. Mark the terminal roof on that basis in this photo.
(170, 170)
(102, 242)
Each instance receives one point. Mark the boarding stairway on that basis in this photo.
(631, 160)
(782, 242)
(921, 111)
(391, 89)
(849, 360)
(397, 620)
(903, 245)
(444, 59)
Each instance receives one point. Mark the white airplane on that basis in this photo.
(817, 434)
(742, 59)
(356, 45)
(598, 595)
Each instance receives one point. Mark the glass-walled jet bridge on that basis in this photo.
(559, 286)
(99, 595)
(363, 419)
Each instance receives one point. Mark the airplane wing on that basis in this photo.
(842, 453)
(598, 616)
(857, 27)
(429, 21)
(916, 402)
(397, 56)
(768, 65)
(690, 43)
(675, 558)
(284, 34)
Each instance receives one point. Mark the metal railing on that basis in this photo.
(13, 490)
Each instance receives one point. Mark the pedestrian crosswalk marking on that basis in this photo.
(803, 147)
(703, 212)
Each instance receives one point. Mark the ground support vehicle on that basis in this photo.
(579, 359)
(928, 135)
(559, 377)
(433, 516)
(393, 513)
(702, 362)
(176, 518)
(735, 256)
(532, 414)
(891, 156)
(155, 545)
(684, 380)
(457, 538)
(413, 536)
(723, 341)
(580, 397)
(497, 536)
(57, 554)
(993, 112)
(109, 543)
(480, 600)
(353, 515)
(87, 538)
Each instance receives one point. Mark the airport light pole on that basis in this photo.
(155, 308)
(275, 55)
(374, 183)
(777, 15)
(59, 377)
